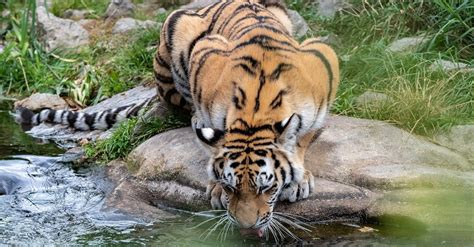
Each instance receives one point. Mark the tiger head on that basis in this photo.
(252, 165)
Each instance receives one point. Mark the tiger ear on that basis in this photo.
(210, 136)
(288, 130)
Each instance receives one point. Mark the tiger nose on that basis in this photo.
(245, 216)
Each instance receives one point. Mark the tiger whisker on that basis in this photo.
(284, 229)
(298, 225)
(217, 224)
(206, 221)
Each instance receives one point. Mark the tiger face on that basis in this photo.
(251, 169)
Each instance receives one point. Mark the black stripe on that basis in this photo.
(243, 31)
(162, 78)
(169, 94)
(159, 60)
(89, 120)
(254, 63)
(282, 67)
(277, 101)
(217, 14)
(110, 119)
(283, 175)
(327, 65)
(193, 43)
(51, 115)
(263, 144)
(245, 68)
(257, 99)
(71, 118)
(184, 65)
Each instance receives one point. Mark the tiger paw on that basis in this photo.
(298, 190)
(218, 197)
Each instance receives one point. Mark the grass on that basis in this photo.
(421, 101)
(127, 136)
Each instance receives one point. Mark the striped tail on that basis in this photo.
(79, 120)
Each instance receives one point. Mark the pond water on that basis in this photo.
(44, 200)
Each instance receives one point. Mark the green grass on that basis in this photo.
(421, 101)
(127, 137)
(97, 7)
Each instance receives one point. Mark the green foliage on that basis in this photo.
(97, 7)
(127, 136)
(422, 101)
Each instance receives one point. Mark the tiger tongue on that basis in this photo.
(250, 231)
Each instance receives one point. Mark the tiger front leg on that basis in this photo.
(298, 190)
(217, 195)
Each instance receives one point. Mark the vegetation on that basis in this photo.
(129, 135)
(421, 100)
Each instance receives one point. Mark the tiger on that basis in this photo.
(258, 99)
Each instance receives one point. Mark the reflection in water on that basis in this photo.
(44, 201)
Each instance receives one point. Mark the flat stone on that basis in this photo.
(328, 8)
(75, 14)
(408, 44)
(449, 66)
(120, 8)
(126, 25)
(58, 33)
(300, 27)
(38, 101)
(459, 138)
(374, 154)
(371, 99)
(353, 160)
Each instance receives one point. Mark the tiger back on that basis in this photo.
(258, 99)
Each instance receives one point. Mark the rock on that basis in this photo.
(5, 15)
(354, 160)
(448, 66)
(130, 198)
(87, 23)
(331, 39)
(160, 11)
(67, 138)
(408, 44)
(75, 14)
(371, 99)
(377, 155)
(44, 3)
(125, 25)
(300, 27)
(120, 8)
(38, 101)
(459, 138)
(198, 4)
(58, 33)
(328, 8)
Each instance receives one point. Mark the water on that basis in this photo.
(46, 201)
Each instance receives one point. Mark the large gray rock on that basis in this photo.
(328, 8)
(300, 27)
(67, 138)
(408, 44)
(42, 100)
(354, 160)
(459, 138)
(55, 32)
(125, 25)
(120, 8)
(371, 99)
(447, 66)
